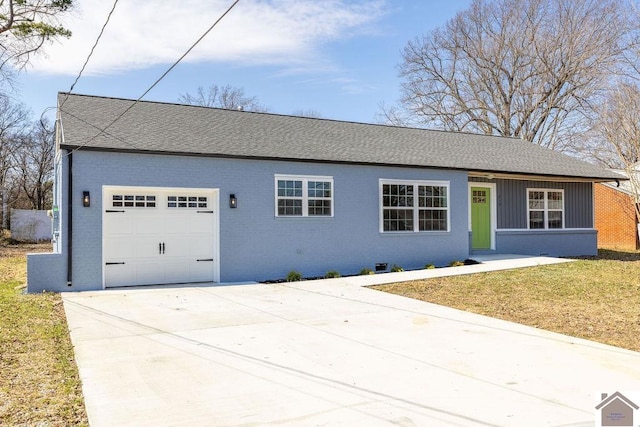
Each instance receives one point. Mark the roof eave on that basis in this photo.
(489, 174)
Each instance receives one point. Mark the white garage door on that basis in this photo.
(159, 236)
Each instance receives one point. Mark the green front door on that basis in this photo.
(480, 218)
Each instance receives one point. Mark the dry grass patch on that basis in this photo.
(39, 383)
(596, 298)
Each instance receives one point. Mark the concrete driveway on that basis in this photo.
(327, 353)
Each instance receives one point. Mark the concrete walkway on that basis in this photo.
(328, 352)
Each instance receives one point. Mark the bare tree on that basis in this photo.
(14, 122)
(229, 97)
(34, 166)
(310, 113)
(25, 26)
(615, 133)
(615, 137)
(520, 68)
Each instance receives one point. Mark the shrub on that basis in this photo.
(456, 263)
(332, 274)
(294, 276)
(396, 268)
(429, 267)
(366, 272)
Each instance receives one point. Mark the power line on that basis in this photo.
(115, 3)
(86, 61)
(94, 45)
(103, 130)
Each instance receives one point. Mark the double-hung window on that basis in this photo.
(306, 196)
(413, 206)
(545, 208)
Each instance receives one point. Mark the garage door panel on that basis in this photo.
(119, 224)
(177, 272)
(201, 223)
(201, 247)
(176, 246)
(146, 247)
(148, 223)
(201, 271)
(176, 223)
(117, 249)
(148, 272)
(159, 237)
(120, 274)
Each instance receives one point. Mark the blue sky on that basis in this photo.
(336, 57)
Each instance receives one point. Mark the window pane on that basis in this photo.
(319, 189)
(289, 207)
(396, 195)
(319, 208)
(536, 219)
(289, 188)
(432, 197)
(555, 219)
(398, 220)
(536, 200)
(554, 200)
(432, 220)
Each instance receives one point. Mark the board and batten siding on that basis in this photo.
(512, 202)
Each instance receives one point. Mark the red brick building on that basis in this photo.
(615, 217)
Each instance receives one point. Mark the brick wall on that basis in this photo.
(615, 219)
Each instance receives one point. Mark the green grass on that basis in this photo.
(594, 298)
(39, 382)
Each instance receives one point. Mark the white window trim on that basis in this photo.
(305, 194)
(546, 208)
(416, 209)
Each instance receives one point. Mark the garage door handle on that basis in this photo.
(112, 211)
(205, 259)
(205, 211)
(114, 263)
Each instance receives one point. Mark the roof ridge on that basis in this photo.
(266, 113)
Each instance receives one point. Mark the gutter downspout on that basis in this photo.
(70, 222)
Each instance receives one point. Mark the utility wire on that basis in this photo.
(94, 45)
(85, 62)
(103, 130)
(115, 3)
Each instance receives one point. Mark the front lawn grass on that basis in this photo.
(39, 382)
(593, 298)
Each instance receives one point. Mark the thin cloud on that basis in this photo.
(145, 33)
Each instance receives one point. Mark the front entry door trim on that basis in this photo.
(493, 206)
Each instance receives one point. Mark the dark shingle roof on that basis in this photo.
(182, 129)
